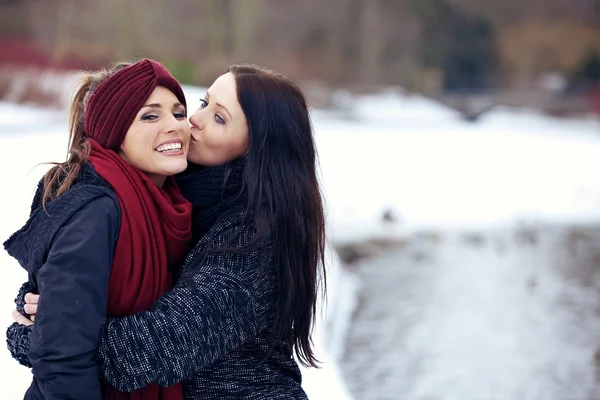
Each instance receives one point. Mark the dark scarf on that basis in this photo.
(213, 192)
(153, 237)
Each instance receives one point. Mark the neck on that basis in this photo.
(212, 191)
(158, 180)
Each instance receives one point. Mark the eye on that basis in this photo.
(149, 117)
(179, 114)
(219, 119)
(203, 103)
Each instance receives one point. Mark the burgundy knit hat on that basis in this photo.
(114, 104)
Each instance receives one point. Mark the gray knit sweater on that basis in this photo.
(211, 331)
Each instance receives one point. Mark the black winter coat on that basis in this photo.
(68, 253)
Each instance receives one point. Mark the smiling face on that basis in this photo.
(219, 128)
(157, 140)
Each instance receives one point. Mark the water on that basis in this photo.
(505, 314)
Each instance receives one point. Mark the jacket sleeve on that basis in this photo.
(17, 341)
(73, 287)
(210, 312)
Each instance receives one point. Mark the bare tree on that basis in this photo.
(370, 42)
(214, 16)
(246, 18)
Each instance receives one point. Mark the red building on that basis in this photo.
(24, 52)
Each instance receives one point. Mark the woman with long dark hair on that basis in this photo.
(242, 310)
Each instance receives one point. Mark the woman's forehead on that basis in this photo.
(223, 89)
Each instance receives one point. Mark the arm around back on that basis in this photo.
(220, 303)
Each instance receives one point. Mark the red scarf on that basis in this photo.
(153, 237)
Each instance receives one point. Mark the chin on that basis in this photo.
(175, 168)
(194, 159)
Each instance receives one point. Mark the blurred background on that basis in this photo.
(543, 53)
(459, 146)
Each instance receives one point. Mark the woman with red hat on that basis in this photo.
(107, 227)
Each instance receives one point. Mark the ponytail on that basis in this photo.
(61, 176)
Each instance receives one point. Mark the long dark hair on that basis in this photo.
(284, 194)
(62, 175)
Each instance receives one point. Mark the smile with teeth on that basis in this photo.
(169, 147)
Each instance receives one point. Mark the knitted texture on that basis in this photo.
(25, 288)
(211, 331)
(17, 336)
(17, 341)
(213, 191)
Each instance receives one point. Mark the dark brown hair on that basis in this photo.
(284, 195)
(62, 175)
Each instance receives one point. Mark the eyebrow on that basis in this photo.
(220, 105)
(158, 105)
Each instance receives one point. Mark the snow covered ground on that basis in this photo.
(388, 152)
(496, 314)
(434, 169)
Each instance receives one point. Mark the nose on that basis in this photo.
(197, 119)
(174, 125)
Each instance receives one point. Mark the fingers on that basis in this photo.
(21, 319)
(31, 298)
(30, 309)
(31, 302)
